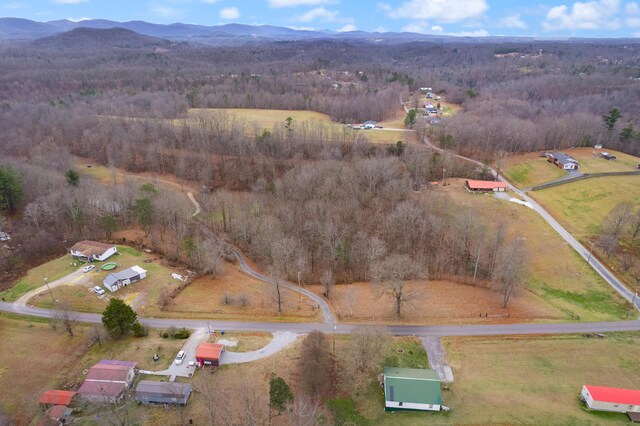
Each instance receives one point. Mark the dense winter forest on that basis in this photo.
(330, 203)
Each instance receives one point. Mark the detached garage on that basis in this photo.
(209, 354)
(617, 400)
(485, 186)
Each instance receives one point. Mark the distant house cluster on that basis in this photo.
(88, 251)
(367, 125)
(564, 161)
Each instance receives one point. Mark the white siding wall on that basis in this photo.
(607, 406)
(412, 406)
(110, 252)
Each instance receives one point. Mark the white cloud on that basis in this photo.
(78, 19)
(229, 13)
(635, 34)
(384, 7)
(632, 10)
(319, 13)
(347, 28)
(439, 10)
(513, 21)
(209, 1)
(13, 6)
(597, 14)
(69, 1)
(166, 12)
(423, 28)
(292, 3)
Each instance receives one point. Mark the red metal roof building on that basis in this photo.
(209, 354)
(604, 398)
(57, 397)
(107, 382)
(486, 185)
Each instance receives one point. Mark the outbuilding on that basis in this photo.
(56, 397)
(602, 398)
(209, 354)
(107, 383)
(411, 389)
(607, 156)
(121, 279)
(154, 392)
(485, 186)
(89, 251)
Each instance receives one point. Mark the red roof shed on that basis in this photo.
(617, 395)
(486, 185)
(57, 397)
(209, 354)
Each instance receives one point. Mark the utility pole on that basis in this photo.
(46, 282)
(443, 171)
(334, 339)
(299, 293)
(632, 303)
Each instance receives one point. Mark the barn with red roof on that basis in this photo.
(618, 400)
(209, 354)
(485, 186)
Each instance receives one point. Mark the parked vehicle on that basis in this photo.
(88, 268)
(98, 290)
(179, 358)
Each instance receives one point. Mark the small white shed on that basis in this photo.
(616, 400)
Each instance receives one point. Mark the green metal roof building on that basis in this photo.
(411, 389)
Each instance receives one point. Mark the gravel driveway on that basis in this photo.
(278, 343)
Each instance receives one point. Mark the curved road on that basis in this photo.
(606, 274)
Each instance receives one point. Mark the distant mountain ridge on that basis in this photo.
(99, 38)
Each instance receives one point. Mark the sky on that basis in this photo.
(543, 18)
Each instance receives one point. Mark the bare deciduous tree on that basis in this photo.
(327, 282)
(509, 272)
(67, 317)
(364, 355)
(617, 219)
(608, 243)
(392, 273)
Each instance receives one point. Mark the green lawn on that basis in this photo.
(529, 170)
(53, 270)
(556, 273)
(581, 206)
(536, 380)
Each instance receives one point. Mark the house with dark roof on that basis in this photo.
(411, 389)
(154, 392)
(107, 383)
(121, 279)
(564, 161)
(89, 251)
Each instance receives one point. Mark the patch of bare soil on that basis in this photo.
(435, 302)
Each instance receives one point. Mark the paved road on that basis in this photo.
(398, 330)
(280, 341)
(183, 370)
(327, 313)
(582, 251)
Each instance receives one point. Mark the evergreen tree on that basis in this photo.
(118, 318)
(11, 191)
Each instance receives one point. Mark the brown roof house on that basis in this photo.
(89, 251)
(107, 383)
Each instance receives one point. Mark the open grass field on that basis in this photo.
(247, 341)
(580, 206)
(32, 357)
(53, 269)
(556, 272)
(536, 380)
(141, 295)
(256, 120)
(205, 298)
(525, 170)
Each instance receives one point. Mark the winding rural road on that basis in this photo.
(330, 324)
(602, 270)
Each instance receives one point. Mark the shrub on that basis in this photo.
(139, 330)
(182, 334)
(165, 335)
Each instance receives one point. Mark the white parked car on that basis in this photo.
(88, 268)
(98, 290)
(179, 358)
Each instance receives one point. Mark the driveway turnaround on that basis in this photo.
(183, 370)
(280, 341)
(77, 277)
(436, 357)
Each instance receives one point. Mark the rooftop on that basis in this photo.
(106, 389)
(209, 350)
(57, 397)
(156, 387)
(617, 395)
(90, 247)
(114, 373)
(485, 184)
(411, 373)
(563, 158)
